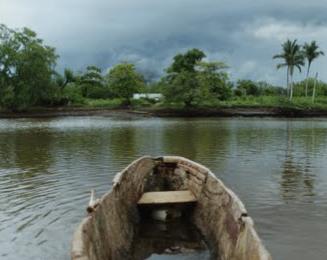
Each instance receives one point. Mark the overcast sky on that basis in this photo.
(244, 33)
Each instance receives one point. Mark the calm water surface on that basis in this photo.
(278, 167)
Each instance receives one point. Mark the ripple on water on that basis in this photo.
(49, 166)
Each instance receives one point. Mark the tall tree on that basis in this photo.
(91, 80)
(8, 55)
(311, 52)
(26, 68)
(92, 76)
(214, 79)
(182, 82)
(124, 81)
(184, 87)
(292, 57)
(186, 61)
(67, 78)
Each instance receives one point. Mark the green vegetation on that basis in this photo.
(190, 80)
(251, 88)
(26, 69)
(310, 53)
(292, 58)
(105, 103)
(28, 79)
(275, 101)
(124, 81)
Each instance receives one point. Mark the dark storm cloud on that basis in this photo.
(245, 34)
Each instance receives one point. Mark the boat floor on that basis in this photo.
(168, 240)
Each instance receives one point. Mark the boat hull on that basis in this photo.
(107, 232)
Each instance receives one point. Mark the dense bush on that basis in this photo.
(320, 88)
(246, 88)
(72, 94)
(95, 92)
(261, 88)
(106, 103)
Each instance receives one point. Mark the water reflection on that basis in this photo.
(26, 158)
(31, 149)
(122, 142)
(297, 179)
(201, 140)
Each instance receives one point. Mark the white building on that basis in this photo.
(154, 96)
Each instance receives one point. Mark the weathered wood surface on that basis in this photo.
(107, 232)
(167, 197)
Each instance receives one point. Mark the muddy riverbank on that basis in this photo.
(167, 112)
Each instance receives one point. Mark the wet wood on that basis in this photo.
(167, 197)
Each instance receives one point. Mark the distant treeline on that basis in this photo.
(28, 78)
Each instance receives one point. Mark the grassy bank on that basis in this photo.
(277, 102)
(240, 106)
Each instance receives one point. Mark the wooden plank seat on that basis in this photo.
(167, 197)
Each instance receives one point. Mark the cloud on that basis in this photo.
(271, 29)
(245, 34)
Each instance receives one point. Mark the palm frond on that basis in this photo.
(281, 65)
(279, 56)
(311, 51)
(299, 67)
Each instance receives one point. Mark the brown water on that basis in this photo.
(48, 166)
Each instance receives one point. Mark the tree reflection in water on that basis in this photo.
(297, 179)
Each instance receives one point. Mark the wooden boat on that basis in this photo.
(164, 185)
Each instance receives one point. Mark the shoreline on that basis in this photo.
(167, 112)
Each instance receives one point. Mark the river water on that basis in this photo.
(278, 167)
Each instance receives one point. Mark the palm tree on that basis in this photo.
(311, 52)
(293, 57)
